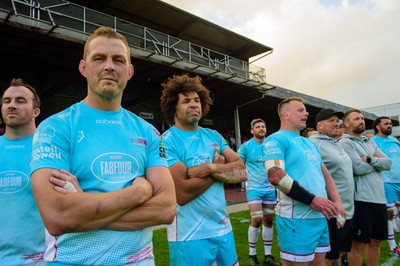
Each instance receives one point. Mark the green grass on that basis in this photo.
(240, 223)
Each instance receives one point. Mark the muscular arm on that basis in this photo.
(232, 171)
(159, 209)
(278, 177)
(78, 212)
(186, 188)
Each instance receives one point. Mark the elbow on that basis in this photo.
(58, 223)
(54, 227)
(245, 177)
(182, 200)
(241, 164)
(54, 231)
(169, 214)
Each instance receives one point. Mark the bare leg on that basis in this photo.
(318, 259)
(355, 256)
(372, 252)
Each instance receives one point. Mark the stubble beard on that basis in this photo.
(259, 136)
(387, 132)
(14, 123)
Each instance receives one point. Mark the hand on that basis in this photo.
(341, 214)
(144, 187)
(325, 206)
(198, 171)
(364, 159)
(64, 182)
(378, 154)
(218, 158)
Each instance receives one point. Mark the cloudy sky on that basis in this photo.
(346, 52)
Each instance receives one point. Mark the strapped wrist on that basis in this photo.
(301, 194)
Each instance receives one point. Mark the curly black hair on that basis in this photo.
(182, 84)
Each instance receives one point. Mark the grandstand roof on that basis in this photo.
(49, 61)
(168, 19)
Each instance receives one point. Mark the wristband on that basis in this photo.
(368, 159)
(285, 184)
(301, 194)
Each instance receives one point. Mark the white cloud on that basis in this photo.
(343, 51)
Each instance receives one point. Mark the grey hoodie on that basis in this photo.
(340, 167)
(367, 176)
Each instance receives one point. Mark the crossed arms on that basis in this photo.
(193, 181)
(148, 201)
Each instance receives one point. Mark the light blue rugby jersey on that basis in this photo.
(303, 164)
(391, 147)
(251, 154)
(205, 216)
(106, 151)
(22, 229)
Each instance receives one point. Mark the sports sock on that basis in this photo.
(267, 238)
(391, 240)
(253, 237)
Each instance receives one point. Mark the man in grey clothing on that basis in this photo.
(340, 167)
(370, 216)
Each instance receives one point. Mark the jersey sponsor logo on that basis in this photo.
(43, 152)
(202, 158)
(161, 148)
(392, 150)
(115, 167)
(271, 147)
(44, 135)
(224, 221)
(81, 136)
(13, 182)
(259, 160)
(139, 141)
(194, 137)
(311, 157)
(14, 147)
(64, 115)
(108, 122)
(142, 255)
(162, 152)
(38, 256)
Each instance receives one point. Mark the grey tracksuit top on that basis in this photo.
(340, 167)
(367, 176)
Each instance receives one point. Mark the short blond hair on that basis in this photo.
(288, 100)
(108, 33)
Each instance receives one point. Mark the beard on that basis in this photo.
(15, 121)
(387, 132)
(360, 129)
(259, 135)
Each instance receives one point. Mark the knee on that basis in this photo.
(375, 243)
(357, 247)
(268, 220)
(256, 221)
(390, 212)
